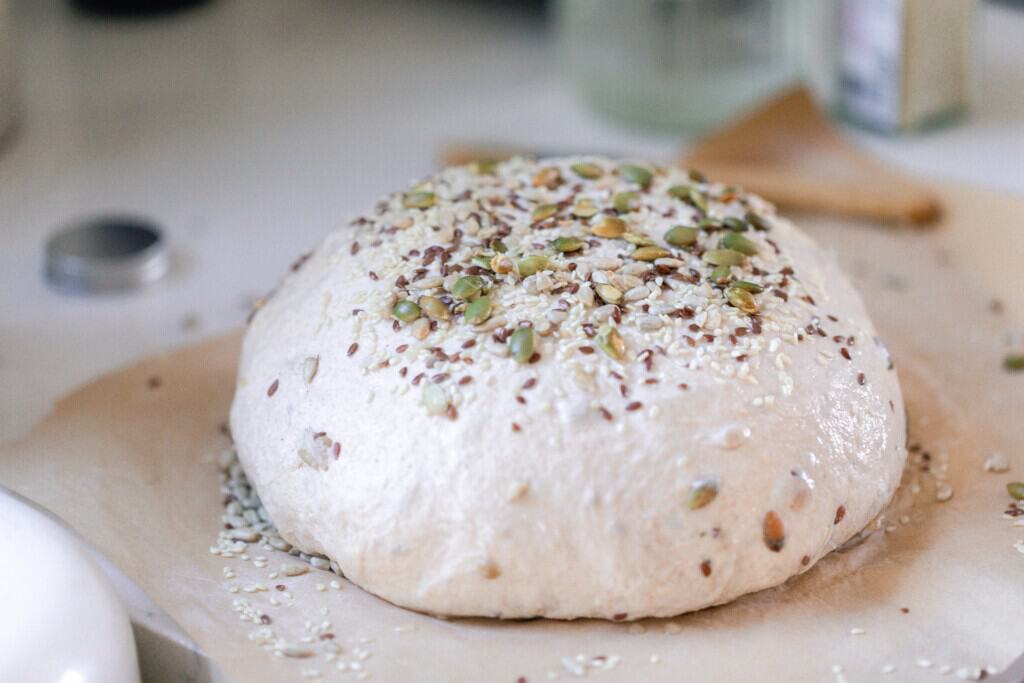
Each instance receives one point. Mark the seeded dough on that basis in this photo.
(681, 449)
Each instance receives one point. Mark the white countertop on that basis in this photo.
(250, 129)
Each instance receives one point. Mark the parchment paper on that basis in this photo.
(133, 467)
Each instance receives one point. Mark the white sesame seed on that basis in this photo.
(997, 462)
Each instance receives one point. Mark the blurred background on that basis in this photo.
(246, 129)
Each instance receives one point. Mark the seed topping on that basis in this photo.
(478, 267)
(702, 492)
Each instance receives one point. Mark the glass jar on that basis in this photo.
(690, 64)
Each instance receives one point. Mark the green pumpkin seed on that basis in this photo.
(585, 208)
(741, 299)
(637, 239)
(681, 236)
(738, 242)
(709, 224)
(690, 195)
(434, 308)
(609, 294)
(1014, 362)
(724, 257)
(435, 400)
(499, 246)
(702, 492)
(751, 287)
(406, 311)
(478, 311)
(1016, 490)
(757, 221)
(698, 177)
(610, 227)
(566, 245)
(736, 224)
(721, 275)
(544, 212)
(419, 200)
(484, 166)
(467, 287)
(640, 175)
(587, 170)
(650, 253)
(624, 202)
(530, 265)
(483, 260)
(520, 344)
(698, 200)
(611, 342)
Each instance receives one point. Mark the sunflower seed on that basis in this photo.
(602, 313)
(435, 400)
(294, 569)
(432, 282)
(609, 294)
(605, 263)
(420, 329)
(637, 293)
(309, 368)
(585, 295)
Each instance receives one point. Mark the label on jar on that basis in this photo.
(904, 63)
(871, 61)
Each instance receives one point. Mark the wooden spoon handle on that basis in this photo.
(899, 201)
(798, 190)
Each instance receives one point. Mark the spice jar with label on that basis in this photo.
(905, 64)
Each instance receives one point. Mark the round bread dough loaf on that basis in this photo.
(568, 388)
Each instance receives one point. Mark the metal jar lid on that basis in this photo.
(105, 254)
